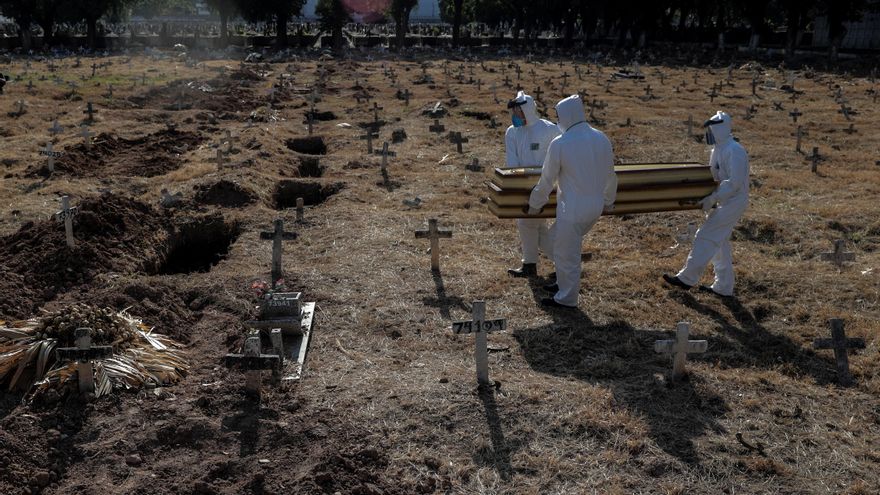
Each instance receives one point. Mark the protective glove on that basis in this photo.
(708, 202)
(528, 210)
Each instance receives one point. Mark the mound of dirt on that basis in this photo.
(224, 193)
(113, 234)
(148, 156)
(218, 95)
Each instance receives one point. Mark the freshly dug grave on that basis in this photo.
(147, 156)
(224, 193)
(112, 233)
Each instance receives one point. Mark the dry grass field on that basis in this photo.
(388, 403)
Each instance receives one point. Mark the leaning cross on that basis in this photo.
(87, 137)
(84, 353)
(277, 236)
(434, 234)
(481, 327)
(91, 111)
(66, 215)
(841, 344)
(680, 348)
(838, 256)
(458, 140)
(252, 361)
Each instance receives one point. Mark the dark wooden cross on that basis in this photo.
(437, 126)
(777, 105)
(376, 109)
(84, 353)
(458, 140)
(94, 67)
(253, 362)
(841, 346)
(713, 94)
(851, 129)
(385, 154)
(794, 115)
(474, 166)
(369, 135)
(838, 256)
(91, 111)
(434, 234)
(845, 110)
(538, 93)
(815, 158)
(277, 236)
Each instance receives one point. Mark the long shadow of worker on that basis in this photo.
(443, 301)
(623, 359)
(744, 342)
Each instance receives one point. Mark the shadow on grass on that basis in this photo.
(443, 301)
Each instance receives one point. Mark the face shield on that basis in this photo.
(710, 138)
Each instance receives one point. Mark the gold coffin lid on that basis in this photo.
(629, 176)
(649, 193)
(619, 209)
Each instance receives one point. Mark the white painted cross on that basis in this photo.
(51, 155)
(680, 348)
(838, 256)
(66, 215)
(434, 234)
(87, 136)
(84, 353)
(229, 140)
(21, 107)
(480, 326)
(277, 236)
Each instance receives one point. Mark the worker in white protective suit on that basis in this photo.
(581, 161)
(725, 206)
(526, 143)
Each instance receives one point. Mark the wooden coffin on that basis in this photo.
(629, 176)
(648, 193)
(619, 209)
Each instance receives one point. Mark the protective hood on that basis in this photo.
(529, 108)
(570, 111)
(720, 126)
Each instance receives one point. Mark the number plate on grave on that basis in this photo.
(487, 326)
(91, 354)
(64, 215)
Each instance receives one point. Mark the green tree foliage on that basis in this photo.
(278, 11)
(226, 9)
(400, 10)
(333, 17)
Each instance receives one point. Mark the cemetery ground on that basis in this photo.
(388, 402)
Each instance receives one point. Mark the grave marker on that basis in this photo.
(794, 115)
(84, 353)
(300, 210)
(277, 236)
(66, 215)
(680, 348)
(91, 111)
(481, 327)
(55, 129)
(815, 158)
(474, 166)
(437, 126)
(253, 362)
(839, 256)
(434, 234)
(800, 135)
(370, 134)
(458, 140)
(841, 345)
(51, 155)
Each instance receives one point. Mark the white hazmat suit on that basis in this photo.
(730, 167)
(582, 162)
(526, 146)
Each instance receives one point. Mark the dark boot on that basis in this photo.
(554, 288)
(527, 270)
(675, 281)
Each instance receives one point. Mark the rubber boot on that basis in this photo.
(527, 270)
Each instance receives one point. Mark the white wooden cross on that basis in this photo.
(21, 107)
(277, 236)
(838, 256)
(434, 234)
(66, 215)
(841, 345)
(50, 156)
(680, 348)
(84, 353)
(87, 136)
(480, 326)
(252, 361)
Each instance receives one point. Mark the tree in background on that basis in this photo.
(400, 10)
(333, 17)
(22, 12)
(279, 11)
(226, 9)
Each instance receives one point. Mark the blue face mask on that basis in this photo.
(517, 121)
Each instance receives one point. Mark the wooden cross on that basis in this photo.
(518, 70)
(370, 134)
(565, 77)
(55, 129)
(495, 92)
(712, 95)
(458, 140)
(252, 361)
(30, 86)
(66, 215)
(845, 110)
(680, 348)
(310, 117)
(506, 81)
(434, 234)
(648, 91)
(690, 125)
(838, 256)
(538, 94)
(799, 134)
(376, 109)
(851, 129)
(22, 105)
(385, 154)
(93, 69)
(229, 140)
(86, 135)
(437, 126)
(841, 345)
(300, 210)
(91, 111)
(110, 91)
(481, 327)
(754, 86)
(51, 155)
(777, 106)
(815, 158)
(277, 236)
(794, 115)
(474, 166)
(406, 96)
(84, 353)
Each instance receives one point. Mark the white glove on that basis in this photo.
(534, 211)
(708, 202)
